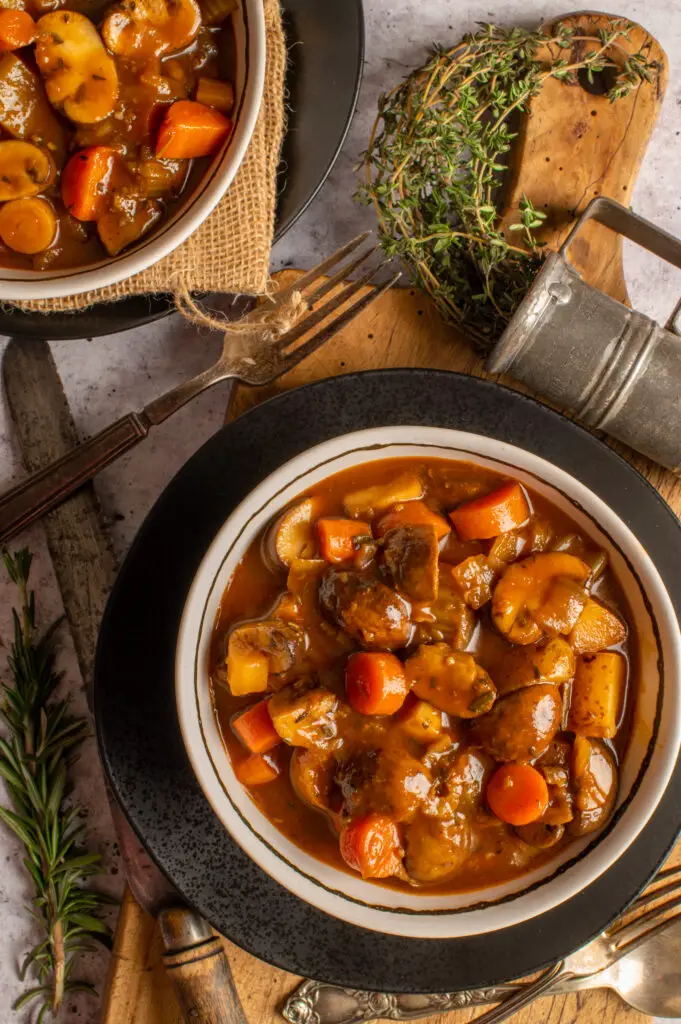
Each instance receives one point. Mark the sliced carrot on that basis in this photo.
(257, 770)
(255, 730)
(337, 539)
(504, 509)
(215, 93)
(17, 29)
(86, 179)
(371, 845)
(28, 225)
(190, 129)
(375, 682)
(413, 513)
(518, 794)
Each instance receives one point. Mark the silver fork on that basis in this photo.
(330, 1004)
(252, 359)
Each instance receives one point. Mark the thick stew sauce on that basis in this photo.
(108, 112)
(421, 671)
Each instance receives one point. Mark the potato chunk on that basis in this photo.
(25, 170)
(367, 502)
(596, 629)
(474, 577)
(421, 721)
(450, 680)
(304, 715)
(80, 76)
(598, 694)
(143, 29)
(552, 662)
(545, 593)
(312, 777)
(436, 850)
(257, 650)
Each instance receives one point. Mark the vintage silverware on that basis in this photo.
(649, 974)
(613, 367)
(195, 958)
(251, 359)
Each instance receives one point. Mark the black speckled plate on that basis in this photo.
(139, 735)
(326, 53)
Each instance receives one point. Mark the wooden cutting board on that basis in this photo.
(574, 147)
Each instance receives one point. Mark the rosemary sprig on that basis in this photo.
(42, 736)
(438, 153)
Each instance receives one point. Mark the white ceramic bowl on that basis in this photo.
(249, 32)
(650, 758)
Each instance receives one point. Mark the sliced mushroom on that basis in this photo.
(143, 29)
(25, 170)
(540, 834)
(80, 76)
(282, 643)
(25, 112)
(291, 535)
(594, 780)
(545, 593)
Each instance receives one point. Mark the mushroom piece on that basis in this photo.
(450, 680)
(257, 650)
(291, 535)
(594, 780)
(80, 76)
(143, 29)
(521, 725)
(304, 715)
(543, 594)
(552, 662)
(25, 170)
(436, 850)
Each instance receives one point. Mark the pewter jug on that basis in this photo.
(616, 369)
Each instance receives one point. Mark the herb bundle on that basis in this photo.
(437, 158)
(42, 736)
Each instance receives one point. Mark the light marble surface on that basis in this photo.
(110, 376)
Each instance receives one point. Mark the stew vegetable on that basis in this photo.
(108, 113)
(422, 672)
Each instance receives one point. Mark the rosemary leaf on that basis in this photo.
(34, 761)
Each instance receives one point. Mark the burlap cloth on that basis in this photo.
(230, 251)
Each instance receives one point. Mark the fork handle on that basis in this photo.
(49, 486)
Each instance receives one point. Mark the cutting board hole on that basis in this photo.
(600, 84)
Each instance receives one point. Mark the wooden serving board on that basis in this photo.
(575, 146)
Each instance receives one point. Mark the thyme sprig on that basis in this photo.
(42, 736)
(438, 153)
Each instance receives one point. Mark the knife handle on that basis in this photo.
(199, 970)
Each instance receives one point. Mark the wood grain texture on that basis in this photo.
(589, 147)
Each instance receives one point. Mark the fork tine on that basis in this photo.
(316, 316)
(327, 332)
(284, 294)
(673, 875)
(340, 276)
(642, 926)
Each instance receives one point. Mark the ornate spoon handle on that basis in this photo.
(315, 1002)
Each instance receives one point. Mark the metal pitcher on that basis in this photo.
(616, 369)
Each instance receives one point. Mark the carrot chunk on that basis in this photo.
(255, 730)
(257, 770)
(86, 179)
(517, 794)
(375, 682)
(17, 29)
(190, 129)
(504, 509)
(413, 513)
(371, 845)
(337, 538)
(28, 225)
